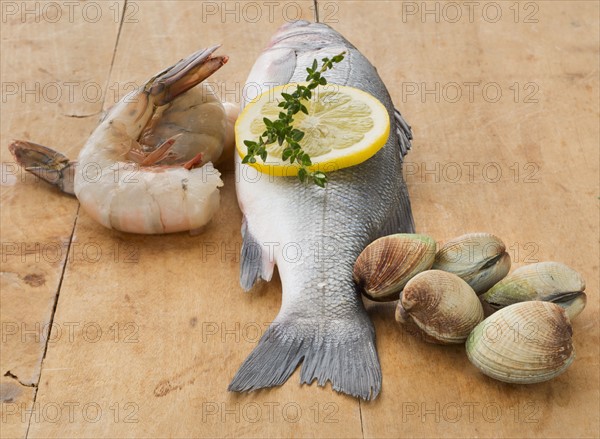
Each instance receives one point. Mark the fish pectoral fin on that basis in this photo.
(339, 351)
(255, 261)
(404, 133)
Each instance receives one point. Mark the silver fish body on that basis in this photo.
(314, 235)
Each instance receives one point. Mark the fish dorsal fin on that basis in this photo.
(404, 133)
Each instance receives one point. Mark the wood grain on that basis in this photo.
(153, 328)
(50, 96)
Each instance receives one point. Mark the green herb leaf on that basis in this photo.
(319, 179)
(281, 130)
(297, 135)
(302, 174)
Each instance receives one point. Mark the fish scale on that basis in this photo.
(322, 321)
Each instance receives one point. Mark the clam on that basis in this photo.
(387, 264)
(440, 307)
(478, 258)
(546, 281)
(524, 343)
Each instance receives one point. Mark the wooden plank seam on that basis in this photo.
(56, 297)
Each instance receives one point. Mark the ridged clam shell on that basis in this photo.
(546, 281)
(387, 264)
(478, 258)
(524, 343)
(440, 307)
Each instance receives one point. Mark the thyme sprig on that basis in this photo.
(281, 130)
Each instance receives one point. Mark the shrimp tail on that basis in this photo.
(46, 163)
(184, 75)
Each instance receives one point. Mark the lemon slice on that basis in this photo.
(344, 127)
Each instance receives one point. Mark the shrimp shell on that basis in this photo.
(122, 193)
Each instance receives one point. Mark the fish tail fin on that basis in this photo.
(341, 352)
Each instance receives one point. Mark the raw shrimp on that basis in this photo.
(147, 168)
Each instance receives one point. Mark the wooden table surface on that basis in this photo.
(147, 331)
